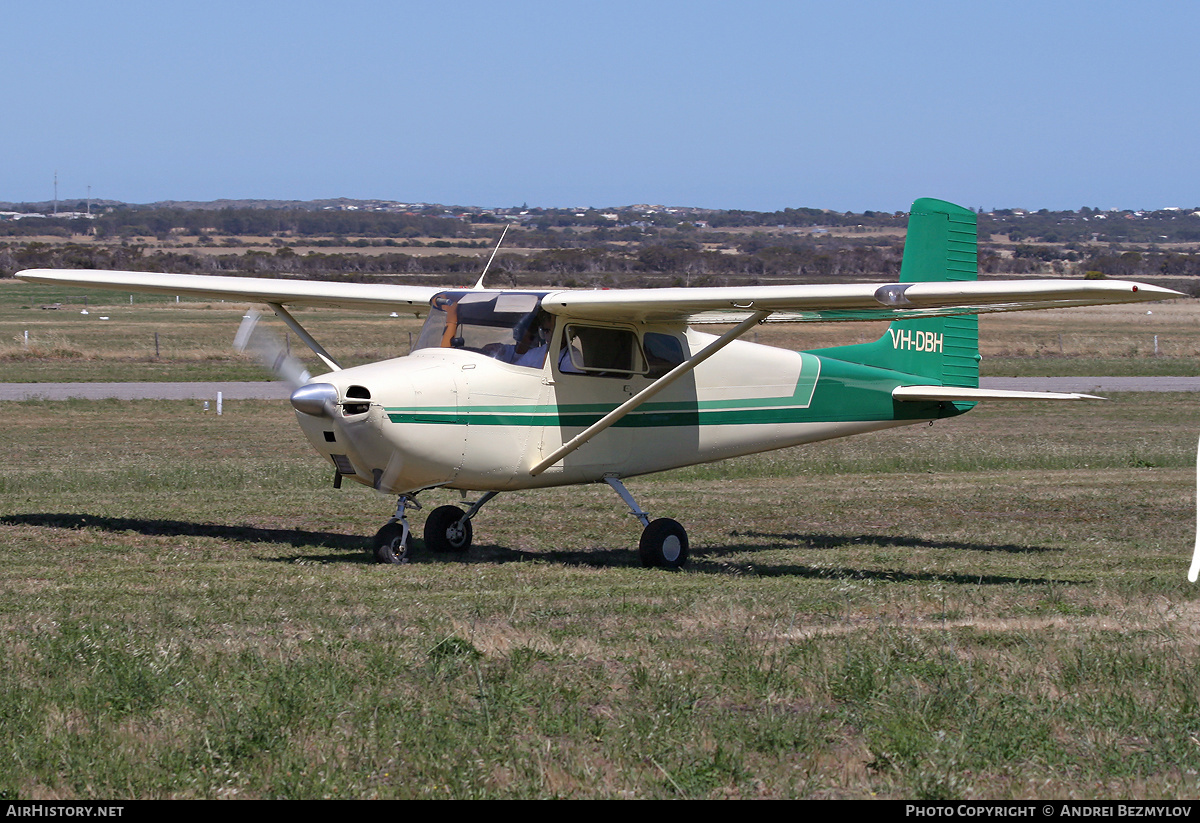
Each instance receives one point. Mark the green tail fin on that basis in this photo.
(940, 246)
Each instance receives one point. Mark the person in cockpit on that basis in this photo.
(531, 349)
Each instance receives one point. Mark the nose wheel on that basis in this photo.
(391, 542)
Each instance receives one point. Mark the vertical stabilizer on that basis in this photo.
(940, 247)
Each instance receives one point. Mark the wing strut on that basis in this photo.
(305, 336)
(651, 390)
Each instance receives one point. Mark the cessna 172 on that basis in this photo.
(521, 389)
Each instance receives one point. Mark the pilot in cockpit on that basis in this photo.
(531, 349)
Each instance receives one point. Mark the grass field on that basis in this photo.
(992, 607)
(194, 340)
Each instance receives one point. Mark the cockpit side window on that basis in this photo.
(600, 351)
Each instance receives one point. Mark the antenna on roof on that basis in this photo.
(479, 282)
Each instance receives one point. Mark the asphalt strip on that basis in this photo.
(265, 390)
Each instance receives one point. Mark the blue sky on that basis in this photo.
(755, 105)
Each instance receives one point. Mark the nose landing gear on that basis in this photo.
(447, 530)
(391, 542)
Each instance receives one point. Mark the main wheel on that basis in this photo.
(388, 545)
(446, 532)
(664, 544)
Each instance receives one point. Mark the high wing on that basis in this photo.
(810, 303)
(841, 302)
(358, 296)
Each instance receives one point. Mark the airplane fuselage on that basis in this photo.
(460, 419)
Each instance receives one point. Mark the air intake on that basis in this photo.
(356, 393)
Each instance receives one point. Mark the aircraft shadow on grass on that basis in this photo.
(297, 538)
(825, 542)
(707, 558)
(834, 541)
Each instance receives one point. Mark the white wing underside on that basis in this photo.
(808, 303)
(843, 302)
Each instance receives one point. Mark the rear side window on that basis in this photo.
(663, 353)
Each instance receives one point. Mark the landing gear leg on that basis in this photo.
(664, 542)
(391, 542)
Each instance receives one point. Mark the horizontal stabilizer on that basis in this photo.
(970, 395)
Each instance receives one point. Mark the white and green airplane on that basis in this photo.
(522, 389)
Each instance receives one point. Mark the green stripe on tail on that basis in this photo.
(940, 247)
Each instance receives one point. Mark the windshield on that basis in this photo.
(508, 326)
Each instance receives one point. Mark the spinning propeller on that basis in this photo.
(270, 351)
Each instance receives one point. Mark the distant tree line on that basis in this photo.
(553, 228)
(1092, 225)
(689, 263)
(160, 222)
(276, 222)
(650, 265)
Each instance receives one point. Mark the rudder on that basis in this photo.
(941, 246)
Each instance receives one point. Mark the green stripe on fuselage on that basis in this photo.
(848, 392)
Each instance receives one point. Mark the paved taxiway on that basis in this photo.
(265, 390)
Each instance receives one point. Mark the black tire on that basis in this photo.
(443, 534)
(664, 544)
(387, 547)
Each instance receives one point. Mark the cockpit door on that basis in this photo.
(595, 369)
